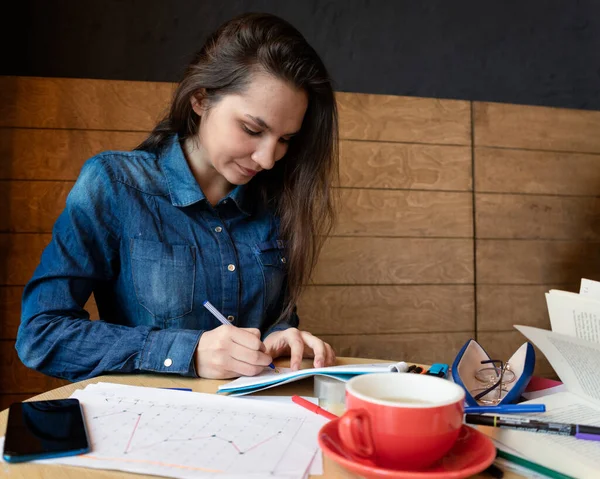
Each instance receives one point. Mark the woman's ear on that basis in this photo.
(198, 101)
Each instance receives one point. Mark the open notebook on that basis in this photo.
(270, 378)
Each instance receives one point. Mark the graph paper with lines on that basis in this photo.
(183, 434)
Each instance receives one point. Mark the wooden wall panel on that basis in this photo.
(424, 348)
(536, 128)
(537, 172)
(403, 259)
(368, 164)
(52, 154)
(32, 154)
(538, 217)
(395, 261)
(386, 309)
(397, 280)
(536, 262)
(19, 256)
(31, 102)
(32, 206)
(10, 311)
(17, 379)
(500, 306)
(404, 119)
(405, 213)
(537, 214)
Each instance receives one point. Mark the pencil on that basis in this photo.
(215, 312)
(313, 407)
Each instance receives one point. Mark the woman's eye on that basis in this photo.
(249, 131)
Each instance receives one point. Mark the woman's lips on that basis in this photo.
(247, 171)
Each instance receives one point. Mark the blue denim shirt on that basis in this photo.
(138, 232)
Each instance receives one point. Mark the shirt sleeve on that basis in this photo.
(273, 315)
(56, 335)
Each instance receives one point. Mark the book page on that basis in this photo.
(576, 361)
(590, 288)
(574, 315)
(565, 454)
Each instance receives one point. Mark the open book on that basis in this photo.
(270, 378)
(575, 314)
(573, 350)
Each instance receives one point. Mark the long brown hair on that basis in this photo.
(299, 186)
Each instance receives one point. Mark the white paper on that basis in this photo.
(574, 315)
(544, 392)
(185, 434)
(576, 361)
(576, 457)
(316, 467)
(270, 378)
(590, 288)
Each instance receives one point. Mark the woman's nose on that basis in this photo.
(265, 156)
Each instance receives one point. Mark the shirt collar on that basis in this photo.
(241, 197)
(183, 187)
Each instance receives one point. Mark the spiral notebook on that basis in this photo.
(269, 378)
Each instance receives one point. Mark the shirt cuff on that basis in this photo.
(171, 351)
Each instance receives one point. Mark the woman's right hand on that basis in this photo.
(228, 352)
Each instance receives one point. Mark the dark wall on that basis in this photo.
(538, 52)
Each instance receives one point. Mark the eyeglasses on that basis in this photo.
(494, 380)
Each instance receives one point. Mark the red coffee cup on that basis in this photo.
(401, 420)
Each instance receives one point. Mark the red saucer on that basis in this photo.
(472, 453)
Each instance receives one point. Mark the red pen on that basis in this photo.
(313, 407)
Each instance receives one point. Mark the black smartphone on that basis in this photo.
(45, 429)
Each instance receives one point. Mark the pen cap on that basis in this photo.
(331, 393)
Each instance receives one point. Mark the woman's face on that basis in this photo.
(243, 134)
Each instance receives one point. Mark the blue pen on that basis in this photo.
(215, 312)
(506, 409)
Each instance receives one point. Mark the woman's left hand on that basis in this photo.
(299, 344)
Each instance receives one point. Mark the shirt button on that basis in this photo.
(230, 318)
(168, 362)
(231, 267)
(218, 229)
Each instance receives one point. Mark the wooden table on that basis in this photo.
(54, 471)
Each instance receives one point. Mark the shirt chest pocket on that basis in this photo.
(273, 262)
(163, 277)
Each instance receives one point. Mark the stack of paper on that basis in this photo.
(184, 434)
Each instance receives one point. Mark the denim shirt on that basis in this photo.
(138, 232)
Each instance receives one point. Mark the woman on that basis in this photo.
(227, 200)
